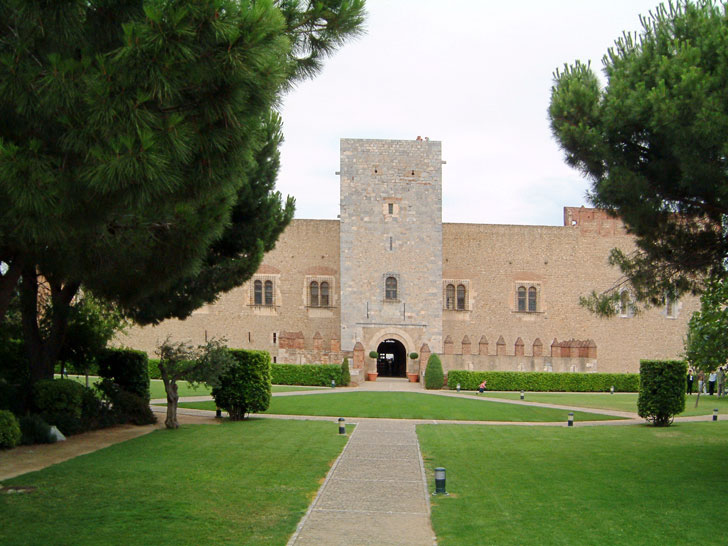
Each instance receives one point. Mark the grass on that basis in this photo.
(616, 401)
(405, 405)
(590, 485)
(236, 483)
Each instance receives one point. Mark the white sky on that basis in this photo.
(474, 74)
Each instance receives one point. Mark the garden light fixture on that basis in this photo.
(440, 481)
(571, 418)
(342, 427)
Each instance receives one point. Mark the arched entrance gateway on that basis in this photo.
(392, 359)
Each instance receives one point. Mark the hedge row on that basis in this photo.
(545, 381)
(305, 374)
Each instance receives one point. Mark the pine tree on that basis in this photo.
(652, 142)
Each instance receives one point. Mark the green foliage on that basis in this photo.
(92, 323)
(545, 381)
(60, 403)
(131, 408)
(414, 356)
(154, 372)
(10, 434)
(245, 386)
(345, 373)
(662, 390)
(652, 142)
(706, 346)
(35, 430)
(127, 368)
(434, 377)
(306, 374)
(373, 354)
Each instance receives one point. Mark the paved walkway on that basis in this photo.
(375, 493)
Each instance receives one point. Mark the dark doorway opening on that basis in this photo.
(392, 360)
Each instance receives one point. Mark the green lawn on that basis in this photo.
(616, 401)
(405, 405)
(237, 483)
(591, 485)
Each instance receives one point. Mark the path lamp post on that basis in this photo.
(440, 481)
(715, 414)
(611, 389)
(571, 419)
(333, 383)
(458, 387)
(522, 395)
(342, 427)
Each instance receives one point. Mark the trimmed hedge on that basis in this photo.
(10, 434)
(434, 378)
(245, 385)
(662, 390)
(545, 381)
(345, 374)
(306, 374)
(154, 372)
(127, 368)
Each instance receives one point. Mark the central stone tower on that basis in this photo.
(391, 244)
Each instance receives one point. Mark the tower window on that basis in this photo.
(390, 288)
(390, 208)
(258, 292)
(461, 297)
(450, 296)
(269, 292)
(532, 299)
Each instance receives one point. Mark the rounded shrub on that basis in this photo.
(414, 356)
(35, 430)
(245, 386)
(373, 354)
(130, 408)
(434, 378)
(60, 402)
(10, 434)
(345, 374)
(662, 390)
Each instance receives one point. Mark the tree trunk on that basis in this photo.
(43, 353)
(8, 282)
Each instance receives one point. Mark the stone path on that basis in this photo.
(376, 492)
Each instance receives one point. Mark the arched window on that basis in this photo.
(521, 299)
(624, 302)
(258, 293)
(269, 292)
(314, 294)
(532, 299)
(324, 294)
(461, 297)
(390, 287)
(450, 296)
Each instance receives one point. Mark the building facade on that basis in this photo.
(390, 277)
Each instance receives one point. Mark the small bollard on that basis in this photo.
(571, 418)
(522, 395)
(342, 427)
(715, 414)
(333, 384)
(458, 387)
(218, 413)
(611, 389)
(440, 481)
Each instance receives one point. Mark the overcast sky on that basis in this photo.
(474, 74)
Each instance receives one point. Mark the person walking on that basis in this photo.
(721, 381)
(691, 377)
(712, 378)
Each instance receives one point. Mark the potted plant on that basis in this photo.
(372, 376)
(414, 376)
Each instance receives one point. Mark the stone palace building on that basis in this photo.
(389, 276)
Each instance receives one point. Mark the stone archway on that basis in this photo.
(392, 360)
